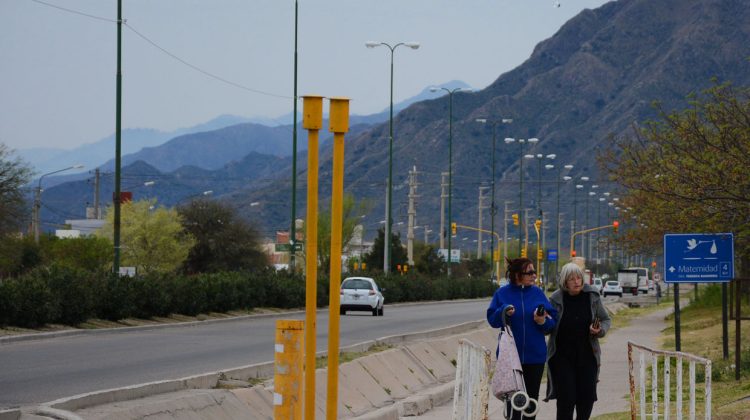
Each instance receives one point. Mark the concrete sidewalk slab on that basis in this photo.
(613, 388)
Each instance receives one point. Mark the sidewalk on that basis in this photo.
(613, 389)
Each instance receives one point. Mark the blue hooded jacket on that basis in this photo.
(529, 336)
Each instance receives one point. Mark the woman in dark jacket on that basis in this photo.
(519, 300)
(573, 352)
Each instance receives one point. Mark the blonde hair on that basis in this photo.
(569, 270)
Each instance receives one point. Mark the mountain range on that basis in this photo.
(594, 79)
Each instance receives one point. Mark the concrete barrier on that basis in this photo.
(13, 414)
(410, 378)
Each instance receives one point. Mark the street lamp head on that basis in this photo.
(584, 178)
(602, 198)
(77, 166)
(567, 178)
(548, 166)
(606, 193)
(528, 156)
(595, 186)
(592, 193)
(148, 183)
(568, 167)
(533, 140)
(579, 186)
(509, 140)
(481, 120)
(434, 89)
(507, 120)
(372, 44)
(551, 156)
(208, 192)
(411, 44)
(539, 155)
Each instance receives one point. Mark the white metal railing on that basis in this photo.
(667, 367)
(471, 392)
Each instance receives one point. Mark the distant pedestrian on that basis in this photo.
(574, 354)
(519, 300)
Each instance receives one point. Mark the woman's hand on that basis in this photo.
(595, 330)
(539, 319)
(510, 310)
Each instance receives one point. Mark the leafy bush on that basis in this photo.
(63, 294)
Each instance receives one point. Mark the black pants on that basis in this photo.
(532, 378)
(575, 385)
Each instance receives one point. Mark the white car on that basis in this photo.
(612, 287)
(361, 294)
(597, 284)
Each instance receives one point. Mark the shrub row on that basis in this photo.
(65, 295)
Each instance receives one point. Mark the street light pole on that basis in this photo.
(38, 200)
(118, 144)
(450, 161)
(493, 207)
(292, 230)
(389, 205)
(557, 228)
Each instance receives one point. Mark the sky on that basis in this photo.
(187, 61)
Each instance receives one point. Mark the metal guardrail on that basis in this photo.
(666, 357)
(471, 392)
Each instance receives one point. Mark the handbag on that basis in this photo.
(508, 376)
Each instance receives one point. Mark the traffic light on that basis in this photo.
(515, 219)
(573, 253)
(615, 225)
(453, 228)
(539, 255)
(523, 252)
(537, 225)
(653, 264)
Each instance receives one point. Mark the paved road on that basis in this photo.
(40, 371)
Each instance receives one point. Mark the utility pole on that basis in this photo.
(443, 196)
(386, 241)
(505, 231)
(479, 233)
(97, 213)
(412, 215)
(526, 231)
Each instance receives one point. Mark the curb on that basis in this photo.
(120, 330)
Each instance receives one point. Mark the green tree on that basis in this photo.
(19, 254)
(14, 173)
(352, 211)
(152, 238)
(90, 253)
(427, 260)
(223, 241)
(687, 172)
(374, 258)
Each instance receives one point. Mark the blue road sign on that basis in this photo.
(551, 255)
(698, 257)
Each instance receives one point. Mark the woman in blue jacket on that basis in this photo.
(519, 300)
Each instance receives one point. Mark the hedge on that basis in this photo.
(64, 295)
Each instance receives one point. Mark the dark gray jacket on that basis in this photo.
(597, 310)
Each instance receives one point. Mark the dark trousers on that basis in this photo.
(575, 387)
(532, 378)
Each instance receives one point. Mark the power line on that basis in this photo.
(165, 51)
(75, 11)
(200, 70)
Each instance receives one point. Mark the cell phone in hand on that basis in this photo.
(597, 323)
(540, 310)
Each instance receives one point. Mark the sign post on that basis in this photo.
(699, 258)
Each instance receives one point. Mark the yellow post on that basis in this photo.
(339, 124)
(312, 120)
(287, 378)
